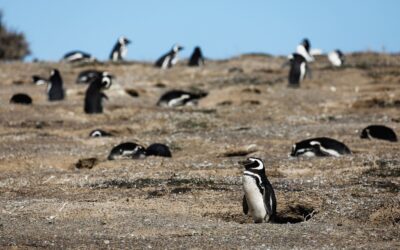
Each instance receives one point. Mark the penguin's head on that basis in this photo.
(54, 73)
(306, 44)
(99, 133)
(106, 80)
(177, 48)
(253, 164)
(123, 40)
(127, 150)
(365, 134)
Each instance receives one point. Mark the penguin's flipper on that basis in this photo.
(245, 206)
(104, 96)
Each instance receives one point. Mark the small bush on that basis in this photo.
(13, 45)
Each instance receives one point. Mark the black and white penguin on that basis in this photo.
(298, 69)
(55, 90)
(100, 133)
(38, 80)
(196, 59)
(78, 56)
(127, 150)
(94, 95)
(120, 50)
(321, 146)
(21, 98)
(379, 132)
(175, 98)
(259, 199)
(169, 59)
(87, 76)
(158, 149)
(304, 49)
(336, 58)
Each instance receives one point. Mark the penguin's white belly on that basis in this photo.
(254, 198)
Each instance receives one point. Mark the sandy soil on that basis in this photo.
(193, 200)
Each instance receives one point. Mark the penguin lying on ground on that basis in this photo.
(259, 199)
(175, 98)
(78, 56)
(94, 95)
(21, 98)
(379, 132)
(99, 133)
(38, 80)
(131, 150)
(87, 76)
(321, 146)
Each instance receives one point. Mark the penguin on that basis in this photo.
(38, 80)
(175, 98)
(196, 59)
(78, 56)
(99, 133)
(259, 199)
(94, 94)
(298, 69)
(336, 58)
(169, 59)
(119, 50)
(304, 49)
(55, 91)
(87, 76)
(379, 132)
(126, 150)
(21, 98)
(321, 146)
(158, 149)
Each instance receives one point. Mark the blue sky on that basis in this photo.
(223, 28)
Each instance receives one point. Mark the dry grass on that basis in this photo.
(57, 190)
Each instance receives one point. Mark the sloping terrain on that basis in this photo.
(193, 200)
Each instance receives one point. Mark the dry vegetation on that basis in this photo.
(53, 196)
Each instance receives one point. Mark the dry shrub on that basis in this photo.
(13, 45)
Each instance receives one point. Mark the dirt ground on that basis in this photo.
(193, 200)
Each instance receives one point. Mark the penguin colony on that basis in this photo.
(259, 200)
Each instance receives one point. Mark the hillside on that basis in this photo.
(193, 200)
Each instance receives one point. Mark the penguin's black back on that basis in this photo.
(21, 98)
(158, 149)
(93, 97)
(56, 91)
(379, 132)
(295, 69)
(196, 59)
(87, 76)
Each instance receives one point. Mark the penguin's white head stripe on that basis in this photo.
(313, 143)
(106, 82)
(260, 163)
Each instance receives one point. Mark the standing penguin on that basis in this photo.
(169, 59)
(94, 95)
(55, 89)
(298, 69)
(336, 58)
(304, 49)
(259, 197)
(196, 59)
(120, 50)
